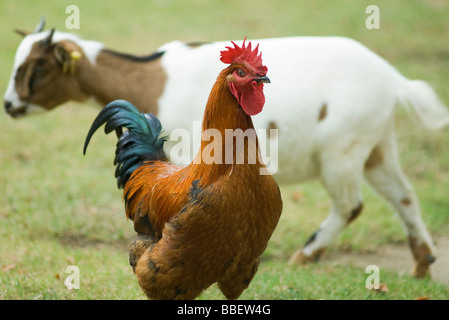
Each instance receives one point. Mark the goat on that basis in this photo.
(332, 99)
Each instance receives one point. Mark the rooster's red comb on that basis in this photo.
(244, 54)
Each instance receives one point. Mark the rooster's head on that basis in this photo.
(247, 76)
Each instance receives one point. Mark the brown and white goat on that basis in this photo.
(60, 67)
(332, 99)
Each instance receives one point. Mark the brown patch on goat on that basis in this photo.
(311, 238)
(271, 125)
(323, 112)
(355, 213)
(423, 257)
(141, 83)
(375, 158)
(195, 44)
(406, 202)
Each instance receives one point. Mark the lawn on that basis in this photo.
(59, 208)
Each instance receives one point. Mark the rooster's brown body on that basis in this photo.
(206, 222)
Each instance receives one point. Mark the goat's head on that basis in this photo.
(45, 72)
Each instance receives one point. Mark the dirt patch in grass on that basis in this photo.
(83, 241)
(397, 258)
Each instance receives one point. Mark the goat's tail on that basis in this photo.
(140, 143)
(429, 109)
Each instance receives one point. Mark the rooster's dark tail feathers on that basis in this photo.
(141, 142)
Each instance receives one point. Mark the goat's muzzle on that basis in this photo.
(14, 111)
(8, 105)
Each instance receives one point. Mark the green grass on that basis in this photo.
(59, 208)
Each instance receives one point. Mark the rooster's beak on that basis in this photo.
(263, 79)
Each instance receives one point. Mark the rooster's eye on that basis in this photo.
(241, 73)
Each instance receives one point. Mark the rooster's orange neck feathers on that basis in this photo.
(222, 109)
(222, 113)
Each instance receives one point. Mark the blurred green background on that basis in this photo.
(60, 208)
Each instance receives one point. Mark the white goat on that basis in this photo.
(332, 99)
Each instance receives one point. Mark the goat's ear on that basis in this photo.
(64, 50)
(49, 38)
(60, 53)
(21, 32)
(67, 54)
(39, 28)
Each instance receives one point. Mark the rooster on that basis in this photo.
(208, 222)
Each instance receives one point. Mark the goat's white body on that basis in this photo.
(359, 89)
(360, 92)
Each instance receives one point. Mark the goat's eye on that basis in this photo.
(241, 73)
(39, 72)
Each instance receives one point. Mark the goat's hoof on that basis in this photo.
(430, 258)
(300, 258)
(421, 271)
(423, 257)
(422, 268)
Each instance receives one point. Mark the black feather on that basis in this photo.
(141, 142)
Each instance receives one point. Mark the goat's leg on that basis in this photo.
(343, 179)
(386, 177)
